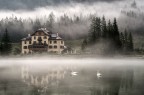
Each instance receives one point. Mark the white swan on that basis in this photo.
(99, 75)
(74, 73)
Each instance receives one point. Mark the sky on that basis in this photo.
(40, 8)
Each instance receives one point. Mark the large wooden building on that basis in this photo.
(42, 41)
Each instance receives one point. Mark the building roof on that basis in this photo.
(55, 37)
(52, 36)
(27, 38)
(44, 30)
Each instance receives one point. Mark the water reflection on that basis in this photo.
(71, 80)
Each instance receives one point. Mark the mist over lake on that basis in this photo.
(86, 76)
(71, 47)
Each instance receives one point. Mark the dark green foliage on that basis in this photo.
(84, 44)
(6, 43)
(51, 22)
(35, 91)
(37, 25)
(122, 38)
(92, 31)
(116, 36)
(16, 51)
(109, 33)
(95, 30)
(130, 42)
(104, 28)
(127, 41)
(110, 30)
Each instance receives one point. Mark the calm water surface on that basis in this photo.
(74, 77)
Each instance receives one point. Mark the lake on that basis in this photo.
(72, 76)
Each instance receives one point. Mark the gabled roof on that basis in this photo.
(55, 37)
(44, 30)
(27, 38)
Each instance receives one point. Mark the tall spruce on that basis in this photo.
(98, 27)
(92, 32)
(6, 44)
(37, 24)
(95, 30)
(116, 36)
(125, 40)
(122, 38)
(84, 44)
(51, 22)
(104, 28)
(110, 30)
(130, 42)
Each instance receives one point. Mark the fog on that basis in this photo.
(98, 7)
(65, 75)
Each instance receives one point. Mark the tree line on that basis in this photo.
(68, 27)
(108, 32)
(5, 45)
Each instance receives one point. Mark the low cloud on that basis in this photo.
(99, 8)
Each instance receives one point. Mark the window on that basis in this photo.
(50, 42)
(25, 52)
(44, 42)
(34, 42)
(45, 37)
(25, 42)
(50, 47)
(29, 52)
(34, 37)
(39, 33)
(55, 42)
(29, 42)
(55, 47)
(25, 47)
(62, 47)
(61, 42)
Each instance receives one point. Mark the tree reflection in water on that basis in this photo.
(113, 82)
(59, 81)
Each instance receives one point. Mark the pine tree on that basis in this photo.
(98, 27)
(51, 22)
(37, 25)
(110, 30)
(104, 28)
(116, 36)
(122, 38)
(130, 44)
(84, 44)
(92, 32)
(125, 40)
(6, 44)
(95, 30)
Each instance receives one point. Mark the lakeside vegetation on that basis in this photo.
(101, 37)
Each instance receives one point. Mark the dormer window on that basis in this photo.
(45, 37)
(39, 33)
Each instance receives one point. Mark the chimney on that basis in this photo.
(29, 35)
